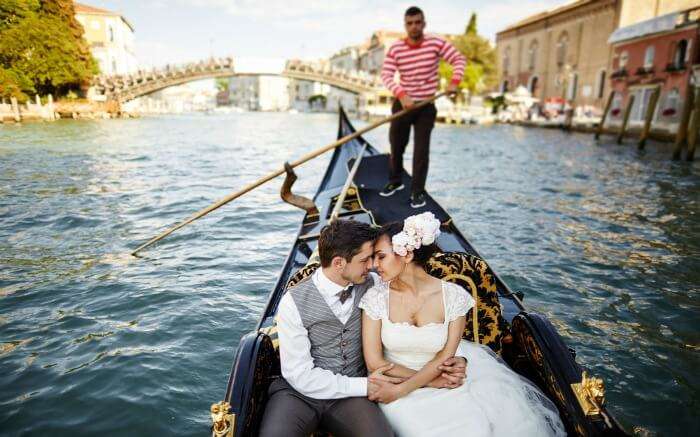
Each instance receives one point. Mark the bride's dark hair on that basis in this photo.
(420, 255)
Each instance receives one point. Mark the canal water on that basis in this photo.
(602, 239)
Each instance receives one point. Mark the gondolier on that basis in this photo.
(416, 58)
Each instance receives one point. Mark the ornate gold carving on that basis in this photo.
(223, 422)
(590, 393)
(294, 199)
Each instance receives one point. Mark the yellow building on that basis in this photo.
(564, 52)
(111, 39)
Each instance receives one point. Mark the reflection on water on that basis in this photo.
(602, 239)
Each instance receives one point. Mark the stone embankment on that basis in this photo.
(14, 112)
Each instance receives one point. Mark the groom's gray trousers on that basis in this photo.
(290, 413)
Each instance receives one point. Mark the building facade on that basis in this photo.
(259, 93)
(658, 53)
(111, 39)
(564, 53)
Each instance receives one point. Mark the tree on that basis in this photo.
(42, 49)
(471, 27)
(222, 83)
(480, 72)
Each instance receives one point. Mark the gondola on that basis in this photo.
(527, 341)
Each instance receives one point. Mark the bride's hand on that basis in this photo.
(454, 370)
(442, 382)
(383, 388)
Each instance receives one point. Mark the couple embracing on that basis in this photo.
(404, 328)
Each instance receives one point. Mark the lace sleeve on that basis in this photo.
(374, 303)
(459, 301)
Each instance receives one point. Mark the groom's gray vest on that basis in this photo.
(334, 346)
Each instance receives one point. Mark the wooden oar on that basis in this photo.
(274, 174)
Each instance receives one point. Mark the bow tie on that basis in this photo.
(345, 293)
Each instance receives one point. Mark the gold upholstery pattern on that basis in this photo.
(470, 271)
(302, 273)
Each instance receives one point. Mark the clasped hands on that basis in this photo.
(385, 389)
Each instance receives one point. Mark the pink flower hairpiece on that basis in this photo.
(418, 230)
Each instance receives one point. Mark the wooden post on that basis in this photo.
(626, 118)
(682, 133)
(15, 109)
(605, 115)
(653, 101)
(693, 131)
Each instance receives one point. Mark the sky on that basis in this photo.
(177, 31)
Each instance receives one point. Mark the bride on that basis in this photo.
(413, 322)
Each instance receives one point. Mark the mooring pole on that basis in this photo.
(653, 101)
(628, 111)
(682, 133)
(605, 115)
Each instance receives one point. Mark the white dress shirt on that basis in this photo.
(296, 362)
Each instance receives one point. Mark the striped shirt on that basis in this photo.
(418, 66)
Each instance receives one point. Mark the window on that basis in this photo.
(641, 103)
(562, 45)
(601, 84)
(532, 86)
(679, 55)
(532, 55)
(649, 57)
(111, 34)
(624, 57)
(504, 86)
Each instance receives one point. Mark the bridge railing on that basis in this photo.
(359, 78)
(113, 82)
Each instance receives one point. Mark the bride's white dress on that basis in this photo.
(493, 401)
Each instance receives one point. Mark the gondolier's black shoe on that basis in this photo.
(390, 189)
(417, 200)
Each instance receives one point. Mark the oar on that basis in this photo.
(274, 174)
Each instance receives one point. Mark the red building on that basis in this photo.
(661, 52)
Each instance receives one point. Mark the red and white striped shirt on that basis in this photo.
(418, 66)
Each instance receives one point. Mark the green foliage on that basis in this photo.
(480, 73)
(42, 49)
(13, 84)
(222, 83)
(13, 11)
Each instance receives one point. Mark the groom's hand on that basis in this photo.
(454, 370)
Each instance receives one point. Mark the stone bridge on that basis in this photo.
(123, 88)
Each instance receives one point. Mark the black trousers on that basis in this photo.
(290, 413)
(422, 121)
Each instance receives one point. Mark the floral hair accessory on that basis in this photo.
(418, 230)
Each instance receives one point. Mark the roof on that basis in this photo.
(661, 24)
(571, 5)
(92, 10)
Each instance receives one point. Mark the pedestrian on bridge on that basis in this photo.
(416, 58)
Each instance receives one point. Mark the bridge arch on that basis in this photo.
(125, 88)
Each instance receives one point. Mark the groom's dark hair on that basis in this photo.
(343, 238)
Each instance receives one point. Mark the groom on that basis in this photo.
(324, 383)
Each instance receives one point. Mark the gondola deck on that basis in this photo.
(531, 346)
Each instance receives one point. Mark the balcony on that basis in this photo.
(642, 71)
(672, 67)
(619, 74)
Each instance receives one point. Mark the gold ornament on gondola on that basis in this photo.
(590, 393)
(222, 420)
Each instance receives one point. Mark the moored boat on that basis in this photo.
(527, 341)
